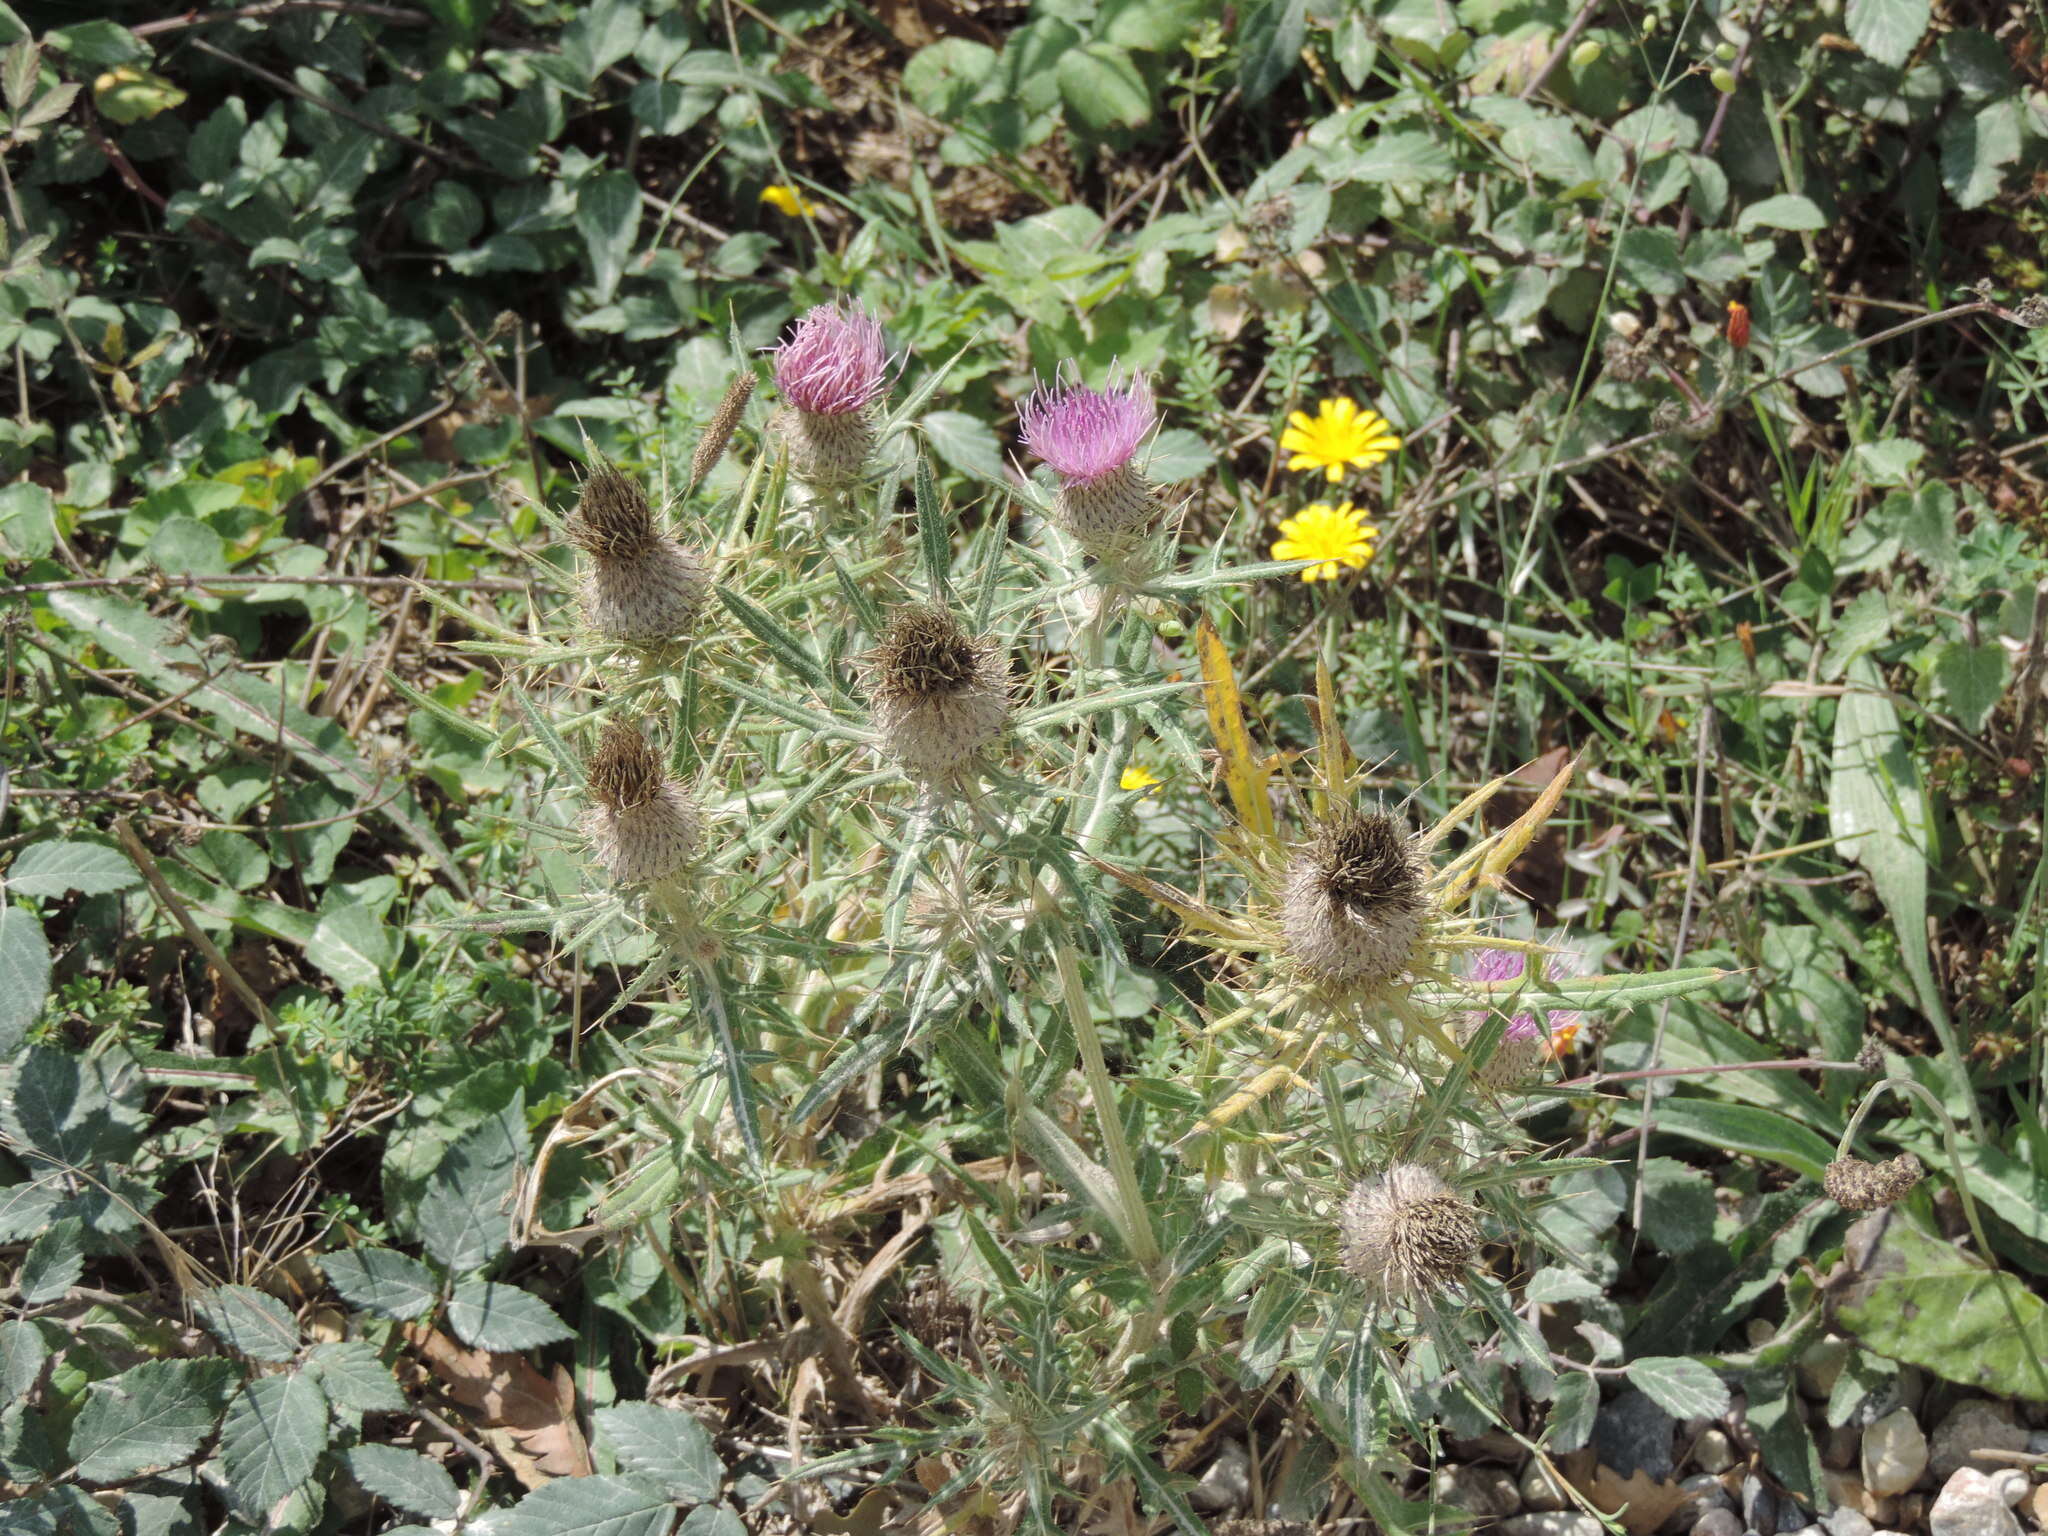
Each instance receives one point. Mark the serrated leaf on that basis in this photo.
(406, 1480)
(73, 1111)
(664, 1444)
(56, 867)
(1972, 679)
(249, 1322)
(381, 1281)
(712, 1520)
(149, 1417)
(275, 1431)
(354, 946)
(465, 1211)
(23, 1349)
(355, 1377)
(1683, 1388)
(590, 1506)
(53, 1263)
(1889, 30)
(1572, 1411)
(24, 975)
(487, 1315)
(608, 218)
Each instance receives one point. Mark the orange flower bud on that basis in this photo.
(1738, 324)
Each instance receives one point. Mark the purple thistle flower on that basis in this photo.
(834, 363)
(1083, 433)
(1508, 965)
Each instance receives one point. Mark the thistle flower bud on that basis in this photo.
(1355, 908)
(1405, 1234)
(940, 694)
(1090, 438)
(1855, 1185)
(643, 826)
(642, 587)
(833, 366)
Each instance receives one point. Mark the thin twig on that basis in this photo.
(1579, 24)
(390, 13)
(188, 583)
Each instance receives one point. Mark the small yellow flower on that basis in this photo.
(788, 200)
(1340, 434)
(1336, 536)
(1138, 776)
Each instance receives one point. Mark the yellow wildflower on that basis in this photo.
(788, 200)
(1336, 536)
(1339, 434)
(1138, 776)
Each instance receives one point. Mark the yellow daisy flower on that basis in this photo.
(1340, 434)
(1138, 776)
(788, 200)
(1336, 536)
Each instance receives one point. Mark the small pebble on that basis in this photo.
(1971, 1504)
(1839, 1445)
(1847, 1522)
(1894, 1453)
(1541, 1491)
(1821, 1366)
(1552, 1523)
(1792, 1518)
(1718, 1522)
(1759, 1508)
(1487, 1492)
(1227, 1484)
(1713, 1452)
(2037, 1506)
(1845, 1491)
(2011, 1484)
(1971, 1426)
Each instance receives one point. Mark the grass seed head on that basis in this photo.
(642, 826)
(719, 430)
(940, 693)
(1355, 906)
(1406, 1235)
(1855, 1185)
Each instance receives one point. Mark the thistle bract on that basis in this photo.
(642, 826)
(1355, 906)
(641, 587)
(1405, 1235)
(940, 694)
(832, 367)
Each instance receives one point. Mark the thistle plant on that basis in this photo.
(641, 587)
(830, 371)
(1091, 438)
(941, 695)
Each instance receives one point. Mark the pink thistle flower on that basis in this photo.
(1083, 433)
(1524, 1044)
(834, 363)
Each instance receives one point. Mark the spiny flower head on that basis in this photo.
(940, 693)
(1355, 905)
(834, 363)
(1340, 435)
(1083, 433)
(1855, 1185)
(1338, 537)
(642, 587)
(642, 827)
(1406, 1235)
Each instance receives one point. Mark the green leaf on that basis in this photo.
(1787, 210)
(381, 1281)
(77, 1112)
(23, 1349)
(590, 1506)
(354, 946)
(275, 1431)
(1678, 1203)
(487, 1315)
(665, 1444)
(1889, 30)
(28, 521)
(355, 1377)
(712, 1520)
(944, 77)
(1925, 1302)
(184, 546)
(1270, 36)
(1890, 461)
(608, 218)
(1977, 147)
(56, 867)
(149, 1417)
(465, 1213)
(1103, 90)
(1683, 1388)
(24, 975)
(406, 1480)
(966, 443)
(53, 1263)
(1572, 1412)
(1740, 1128)
(249, 1322)
(1972, 679)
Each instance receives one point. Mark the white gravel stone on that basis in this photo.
(1712, 1452)
(1894, 1453)
(1971, 1504)
(1542, 1493)
(1557, 1523)
(1227, 1484)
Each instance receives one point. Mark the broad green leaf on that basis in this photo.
(355, 1377)
(1925, 1302)
(1683, 1388)
(56, 867)
(664, 1444)
(53, 1263)
(354, 946)
(1740, 1128)
(712, 1520)
(249, 1322)
(1788, 210)
(184, 546)
(24, 975)
(1678, 1203)
(465, 1213)
(608, 218)
(590, 1506)
(381, 1281)
(1972, 679)
(23, 1349)
(149, 1417)
(1572, 1411)
(405, 1480)
(28, 521)
(73, 1111)
(1889, 30)
(1270, 34)
(487, 1315)
(1102, 88)
(944, 77)
(276, 1429)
